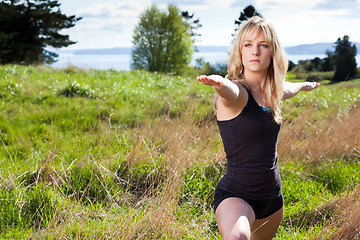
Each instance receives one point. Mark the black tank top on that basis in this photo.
(250, 141)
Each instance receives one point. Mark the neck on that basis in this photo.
(255, 80)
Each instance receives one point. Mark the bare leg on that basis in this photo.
(266, 228)
(234, 218)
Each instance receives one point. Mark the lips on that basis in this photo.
(254, 60)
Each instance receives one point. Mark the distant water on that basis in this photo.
(121, 62)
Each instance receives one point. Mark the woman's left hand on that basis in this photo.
(309, 86)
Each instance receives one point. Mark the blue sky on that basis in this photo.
(107, 23)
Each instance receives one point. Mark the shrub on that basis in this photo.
(74, 89)
(319, 76)
(314, 76)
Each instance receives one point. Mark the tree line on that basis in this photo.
(28, 27)
(151, 53)
(342, 61)
(163, 41)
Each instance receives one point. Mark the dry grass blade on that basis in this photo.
(313, 140)
(345, 220)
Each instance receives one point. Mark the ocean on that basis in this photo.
(121, 62)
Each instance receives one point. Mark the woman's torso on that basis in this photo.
(250, 141)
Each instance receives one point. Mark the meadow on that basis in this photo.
(91, 154)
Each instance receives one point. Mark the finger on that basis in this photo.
(200, 78)
(315, 85)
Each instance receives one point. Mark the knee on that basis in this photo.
(243, 236)
(237, 236)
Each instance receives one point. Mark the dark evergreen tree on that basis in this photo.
(291, 65)
(328, 63)
(193, 26)
(344, 55)
(246, 14)
(28, 27)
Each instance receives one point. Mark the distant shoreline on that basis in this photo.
(123, 62)
(303, 49)
(120, 58)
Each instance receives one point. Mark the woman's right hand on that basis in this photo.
(215, 81)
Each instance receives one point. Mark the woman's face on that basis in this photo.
(256, 53)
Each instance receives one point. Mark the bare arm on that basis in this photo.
(291, 89)
(223, 87)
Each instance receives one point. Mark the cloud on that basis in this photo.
(224, 4)
(180, 2)
(184, 5)
(335, 5)
(281, 7)
(344, 8)
(300, 22)
(347, 9)
(111, 9)
(242, 4)
(110, 24)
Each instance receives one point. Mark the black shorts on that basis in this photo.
(262, 209)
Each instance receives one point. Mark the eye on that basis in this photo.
(264, 45)
(247, 45)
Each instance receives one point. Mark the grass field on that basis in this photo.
(137, 155)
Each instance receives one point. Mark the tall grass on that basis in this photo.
(134, 155)
(338, 135)
(345, 219)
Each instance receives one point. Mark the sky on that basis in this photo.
(111, 23)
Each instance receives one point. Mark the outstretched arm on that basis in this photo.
(291, 89)
(223, 87)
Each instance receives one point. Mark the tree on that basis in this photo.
(328, 62)
(161, 41)
(345, 61)
(246, 14)
(193, 26)
(291, 65)
(28, 27)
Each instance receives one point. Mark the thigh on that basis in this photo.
(266, 228)
(234, 218)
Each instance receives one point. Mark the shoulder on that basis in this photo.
(241, 97)
(226, 110)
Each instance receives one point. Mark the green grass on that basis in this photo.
(307, 188)
(107, 154)
(328, 100)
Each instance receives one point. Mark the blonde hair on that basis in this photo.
(274, 85)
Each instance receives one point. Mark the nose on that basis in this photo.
(256, 51)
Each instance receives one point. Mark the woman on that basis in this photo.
(248, 202)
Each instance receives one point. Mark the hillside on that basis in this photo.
(313, 49)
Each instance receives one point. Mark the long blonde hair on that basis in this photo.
(274, 85)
